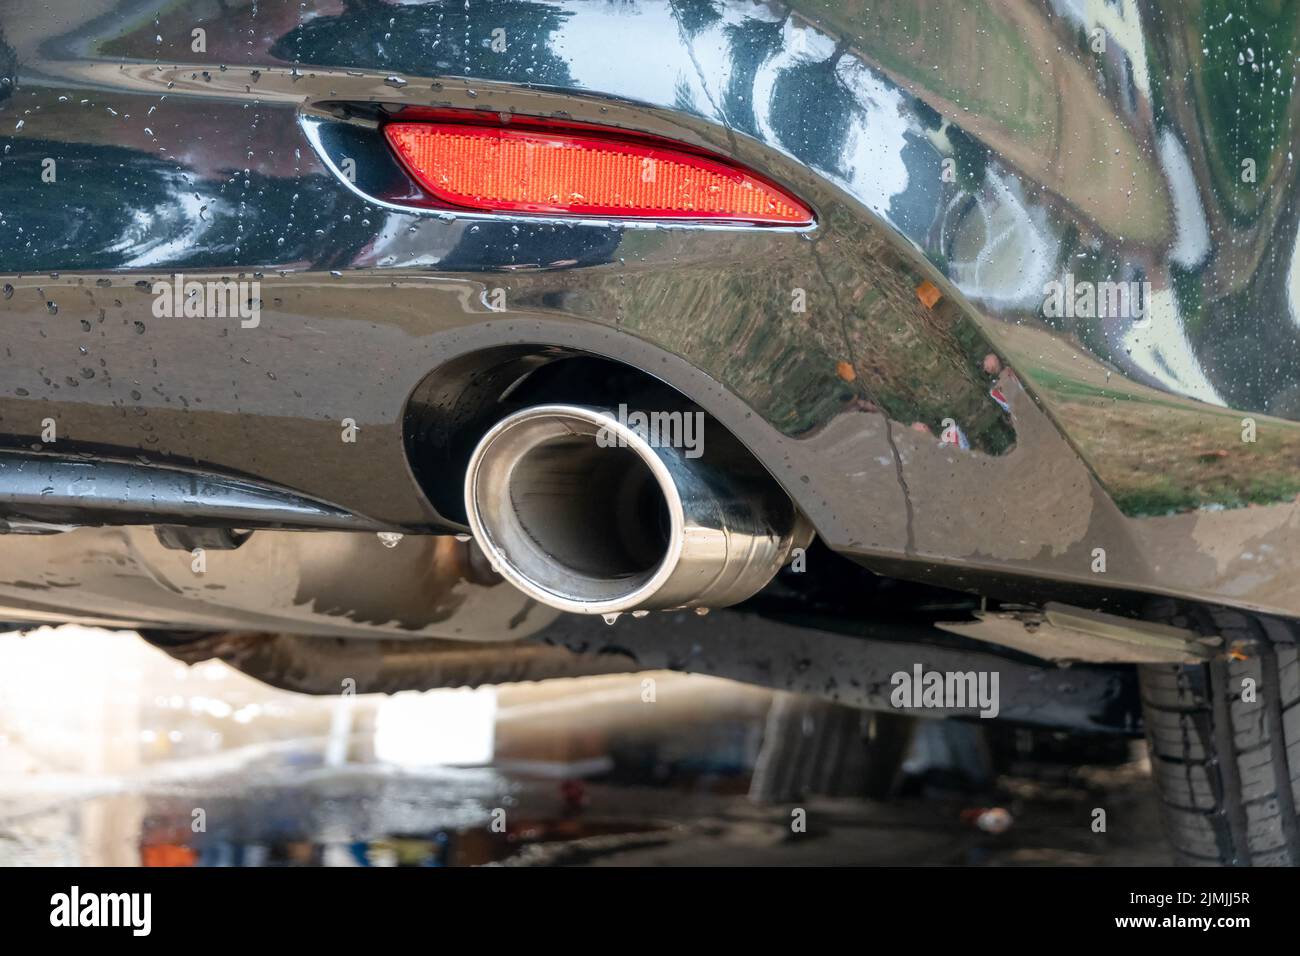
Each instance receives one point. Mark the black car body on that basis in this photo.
(1034, 365)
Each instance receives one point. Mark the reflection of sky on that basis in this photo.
(1122, 22)
(1159, 347)
(404, 240)
(1002, 247)
(1293, 281)
(799, 43)
(882, 138)
(651, 72)
(877, 137)
(702, 65)
(1003, 250)
(152, 235)
(913, 208)
(1192, 244)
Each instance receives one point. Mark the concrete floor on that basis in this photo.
(112, 753)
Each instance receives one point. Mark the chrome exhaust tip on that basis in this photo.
(584, 513)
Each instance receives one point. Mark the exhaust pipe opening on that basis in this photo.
(583, 513)
(597, 512)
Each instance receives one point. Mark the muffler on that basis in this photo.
(592, 511)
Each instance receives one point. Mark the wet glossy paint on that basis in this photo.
(974, 168)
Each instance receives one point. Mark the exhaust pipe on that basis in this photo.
(580, 511)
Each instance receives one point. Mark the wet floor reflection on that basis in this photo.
(112, 753)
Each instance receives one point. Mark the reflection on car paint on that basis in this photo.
(990, 148)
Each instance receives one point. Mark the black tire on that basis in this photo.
(1227, 769)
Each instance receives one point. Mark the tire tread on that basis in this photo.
(1228, 770)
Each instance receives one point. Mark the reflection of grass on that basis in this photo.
(1156, 453)
(1245, 117)
(918, 364)
(894, 32)
(864, 339)
(1158, 458)
(1167, 496)
(1068, 388)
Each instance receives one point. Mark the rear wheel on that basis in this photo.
(1225, 743)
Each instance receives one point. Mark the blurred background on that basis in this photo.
(113, 753)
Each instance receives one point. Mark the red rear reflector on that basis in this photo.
(496, 169)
